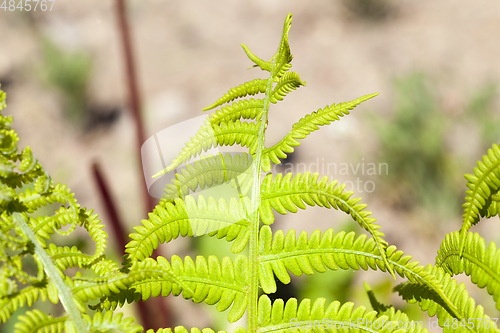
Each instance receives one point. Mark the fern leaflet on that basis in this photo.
(482, 186)
(479, 262)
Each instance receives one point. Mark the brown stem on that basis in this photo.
(154, 313)
(134, 98)
(109, 205)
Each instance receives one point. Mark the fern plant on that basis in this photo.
(240, 285)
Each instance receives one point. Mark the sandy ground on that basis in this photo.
(188, 53)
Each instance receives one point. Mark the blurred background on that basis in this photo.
(435, 65)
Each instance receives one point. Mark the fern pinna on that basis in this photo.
(244, 220)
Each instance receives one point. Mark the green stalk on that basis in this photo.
(64, 292)
(253, 257)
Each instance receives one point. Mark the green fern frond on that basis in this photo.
(8, 141)
(494, 208)
(17, 180)
(149, 269)
(10, 242)
(45, 226)
(376, 305)
(66, 257)
(7, 195)
(27, 296)
(283, 57)
(479, 262)
(437, 292)
(317, 317)
(284, 194)
(244, 109)
(6, 167)
(59, 193)
(211, 171)
(248, 88)
(287, 83)
(43, 182)
(109, 321)
(482, 185)
(12, 266)
(209, 136)
(382, 309)
(306, 126)
(3, 104)
(33, 200)
(302, 255)
(38, 322)
(181, 329)
(28, 161)
(29, 236)
(443, 297)
(189, 218)
(59, 285)
(210, 281)
(264, 65)
(94, 227)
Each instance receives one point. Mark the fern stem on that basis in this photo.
(65, 294)
(253, 257)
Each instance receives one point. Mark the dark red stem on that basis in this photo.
(153, 313)
(134, 98)
(109, 205)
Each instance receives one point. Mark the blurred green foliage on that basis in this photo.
(423, 171)
(413, 144)
(69, 73)
(481, 110)
(371, 10)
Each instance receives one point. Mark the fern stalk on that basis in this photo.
(253, 262)
(65, 295)
(255, 203)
